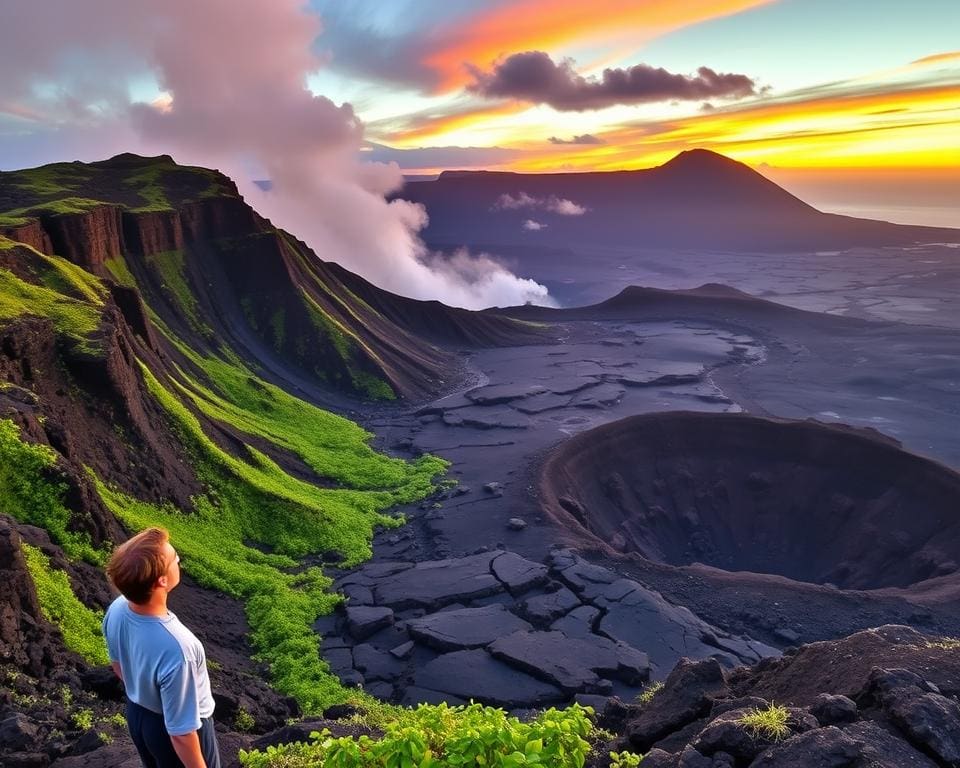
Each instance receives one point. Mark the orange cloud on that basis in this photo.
(936, 59)
(526, 25)
(428, 126)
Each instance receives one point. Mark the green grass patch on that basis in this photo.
(79, 625)
(441, 737)
(169, 267)
(646, 695)
(65, 205)
(769, 723)
(72, 317)
(334, 447)
(30, 492)
(120, 271)
(148, 183)
(56, 179)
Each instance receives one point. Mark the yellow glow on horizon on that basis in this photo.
(911, 127)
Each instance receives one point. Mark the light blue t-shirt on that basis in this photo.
(163, 664)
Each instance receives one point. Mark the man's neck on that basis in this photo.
(155, 606)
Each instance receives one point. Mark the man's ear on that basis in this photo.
(162, 581)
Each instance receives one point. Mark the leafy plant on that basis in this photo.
(445, 737)
(625, 759)
(82, 719)
(769, 723)
(244, 721)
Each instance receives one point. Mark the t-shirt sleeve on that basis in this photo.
(113, 651)
(178, 695)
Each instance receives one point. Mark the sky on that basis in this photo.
(852, 105)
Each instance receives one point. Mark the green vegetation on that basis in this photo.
(56, 179)
(75, 316)
(31, 493)
(82, 719)
(170, 268)
(244, 721)
(624, 760)
(646, 695)
(441, 736)
(118, 268)
(253, 500)
(769, 723)
(148, 183)
(65, 205)
(79, 625)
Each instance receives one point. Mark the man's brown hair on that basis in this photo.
(136, 564)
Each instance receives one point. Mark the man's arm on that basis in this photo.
(187, 748)
(117, 671)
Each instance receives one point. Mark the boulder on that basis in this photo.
(465, 628)
(517, 573)
(475, 674)
(688, 694)
(375, 664)
(436, 583)
(363, 620)
(833, 710)
(543, 609)
(820, 748)
(573, 664)
(17, 732)
(578, 623)
(882, 749)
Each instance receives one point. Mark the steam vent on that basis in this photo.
(803, 500)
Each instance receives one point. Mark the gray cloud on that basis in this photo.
(533, 76)
(583, 138)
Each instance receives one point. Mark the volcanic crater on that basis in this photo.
(799, 499)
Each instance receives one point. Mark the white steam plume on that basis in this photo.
(236, 71)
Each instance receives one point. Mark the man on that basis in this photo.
(161, 663)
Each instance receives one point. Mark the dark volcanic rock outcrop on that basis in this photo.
(892, 694)
(466, 627)
(800, 499)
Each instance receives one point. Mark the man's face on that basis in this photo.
(171, 577)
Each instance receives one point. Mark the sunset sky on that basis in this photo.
(855, 104)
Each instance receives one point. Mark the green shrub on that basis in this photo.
(625, 759)
(244, 721)
(441, 737)
(79, 625)
(82, 719)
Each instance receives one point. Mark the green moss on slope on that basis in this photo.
(252, 505)
(79, 625)
(29, 493)
(74, 318)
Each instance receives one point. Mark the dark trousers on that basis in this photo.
(152, 741)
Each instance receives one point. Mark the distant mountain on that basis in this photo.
(698, 200)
